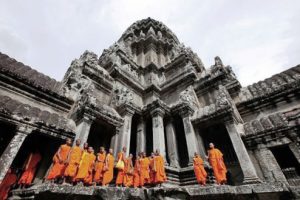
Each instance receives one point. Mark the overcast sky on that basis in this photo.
(258, 38)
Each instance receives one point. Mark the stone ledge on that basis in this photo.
(255, 191)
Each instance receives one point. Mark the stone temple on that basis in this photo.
(148, 91)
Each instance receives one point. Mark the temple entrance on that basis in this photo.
(218, 135)
(7, 133)
(149, 136)
(133, 138)
(288, 163)
(45, 145)
(100, 135)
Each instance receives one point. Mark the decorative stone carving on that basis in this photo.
(188, 96)
(122, 95)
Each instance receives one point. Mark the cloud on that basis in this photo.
(257, 38)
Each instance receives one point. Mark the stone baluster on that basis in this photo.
(158, 131)
(269, 166)
(83, 129)
(249, 172)
(12, 149)
(141, 136)
(125, 131)
(172, 144)
(190, 136)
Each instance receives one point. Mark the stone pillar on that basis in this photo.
(125, 131)
(141, 136)
(269, 166)
(114, 141)
(12, 149)
(172, 144)
(200, 142)
(83, 129)
(246, 164)
(158, 131)
(190, 136)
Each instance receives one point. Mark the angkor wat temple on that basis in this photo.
(148, 91)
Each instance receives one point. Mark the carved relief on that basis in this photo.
(122, 95)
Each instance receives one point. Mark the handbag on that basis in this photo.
(120, 165)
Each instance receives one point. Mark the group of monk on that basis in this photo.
(76, 165)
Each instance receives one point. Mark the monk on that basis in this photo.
(84, 168)
(159, 165)
(216, 161)
(108, 168)
(99, 166)
(199, 169)
(30, 168)
(73, 162)
(144, 167)
(9, 180)
(152, 168)
(121, 174)
(59, 162)
(136, 172)
(128, 170)
(88, 180)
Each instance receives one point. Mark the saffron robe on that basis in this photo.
(89, 178)
(144, 173)
(84, 166)
(30, 169)
(152, 170)
(160, 174)
(128, 170)
(8, 181)
(109, 169)
(74, 160)
(121, 174)
(99, 167)
(199, 170)
(216, 161)
(136, 174)
(58, 165)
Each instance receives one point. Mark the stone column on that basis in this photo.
(246, 164)
(190, 136)
(114, 141)
(125, 131)
(83, 129)
(172, 144)
(141, 136)
(200, 142)
(12, 149)
(269, 166)
(158, 131)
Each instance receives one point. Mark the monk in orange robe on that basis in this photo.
(159, 165)
(216, 161)
(128, 170)
(73, 162)
(152, 168)
(136, 172)
(121, 174)
(88, 180)
(9, 180)
(144, 166)
(108, 168)
(59, 161)
(85, 166)
(30, 169)
(99, 166)
(199, 169)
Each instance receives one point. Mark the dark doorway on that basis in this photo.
(7, 132)
(100, 135)
(133, 138)
(149, 136)
(218, 135)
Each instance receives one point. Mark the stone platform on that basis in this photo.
(58, 192)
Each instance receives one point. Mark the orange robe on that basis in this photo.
(160, 174)
(89, 178)
(99, 167)
(199, 170)
(58, 166)
(121, 174)
(128, 170)
(136, 174)
(144, 173)
(31, 166)
(84, 166)
(109, 169)
(74, 160)
(152, 171)
(216, 161)
(9, 179)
